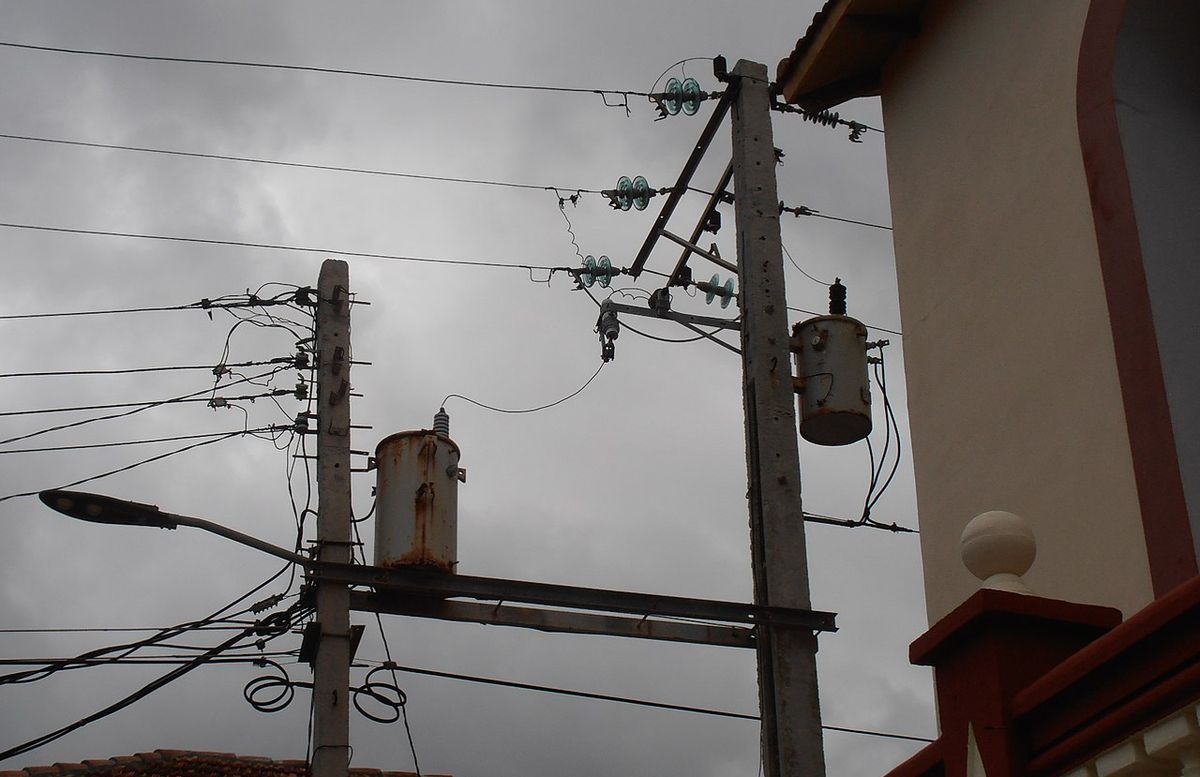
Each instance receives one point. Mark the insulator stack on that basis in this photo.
(837, 298)
(441, 422)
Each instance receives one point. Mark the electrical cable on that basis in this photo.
(281, 247)
(205, 304)
(215, 369)
(683, 62)
(94, 419)
(401, 702)
(152, 403)
(572, 395)
(803, 272)
(93, 629)
(630, 700)
(649, 336)
(890, 419)
(178, 438)
(137, 695)
(125, 468)
(301, 165)
(326, 70)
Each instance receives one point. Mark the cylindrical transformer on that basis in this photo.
(835, 390)
(416, 500)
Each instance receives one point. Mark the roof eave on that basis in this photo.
(842, 54)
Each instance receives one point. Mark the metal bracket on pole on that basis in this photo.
(559, 621)
(686, 319)
(685, 178)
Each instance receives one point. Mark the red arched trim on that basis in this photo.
(1168, 533)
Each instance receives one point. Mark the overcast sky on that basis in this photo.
(638, 483)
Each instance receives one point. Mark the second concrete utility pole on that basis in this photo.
(787, 662)
(331, 669)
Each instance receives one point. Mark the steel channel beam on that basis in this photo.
(416, 581)
(554, 620)
(685, 176)
(713, 200)
(691, 247)
(671, 315)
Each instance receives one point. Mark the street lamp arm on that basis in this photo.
(98, 508)
(243, 539)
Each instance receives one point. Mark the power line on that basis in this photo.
(127, 467)
(301, 165)
(215, 369)
(804, 210)
(85, 421)
(141, 693)
(221, 303)
(367, 171)
(97, 630)
(179, 438)
(326, 70)
(281, 247)
(629, 700)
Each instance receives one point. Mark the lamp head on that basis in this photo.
(98, 508)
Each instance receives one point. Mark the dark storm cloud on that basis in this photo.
(638, 483)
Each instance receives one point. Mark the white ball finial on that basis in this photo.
(998, 547)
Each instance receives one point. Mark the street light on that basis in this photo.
(98, 508)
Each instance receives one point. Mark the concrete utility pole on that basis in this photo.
(331, 670)
(787, 662)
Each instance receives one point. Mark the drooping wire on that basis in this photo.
(215, 369)
(803, 272)
(401, 701)
(127, 649)
(302, 165)
(127, 467)
(281, 247)
(230, 301)
(570, 229)
(891, 433)
(635, 701)
(681, 64)
(135, 410)
(880, 370)
(649, 336)
(521, 411)
(150, 441)
(137, 695)
(626, 93)
(147, 404)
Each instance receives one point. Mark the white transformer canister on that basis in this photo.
(416, 500)
(834, 388)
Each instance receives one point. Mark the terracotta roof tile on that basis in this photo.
(187, 763)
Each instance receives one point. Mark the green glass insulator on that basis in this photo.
(674, 98)
(641, 193)
(713, 283)
(624, 192)
(691, 96)
(727, 297)
(589, 277)
(604, 275)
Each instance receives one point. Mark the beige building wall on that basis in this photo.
(1014, 399)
